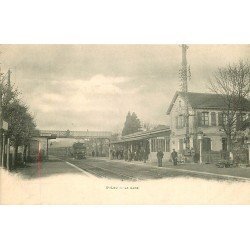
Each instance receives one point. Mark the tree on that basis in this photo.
(232, 83)
(21, 123)
(132, 124)
(21, 126)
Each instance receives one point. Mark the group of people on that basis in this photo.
(140, 155)
(117, 154)
(129, 155)
(137, 155)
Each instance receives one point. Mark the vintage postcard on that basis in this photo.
(125, 124)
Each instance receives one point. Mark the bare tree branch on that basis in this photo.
(232, 84)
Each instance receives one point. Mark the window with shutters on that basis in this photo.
(240, 120)
(204, 119)
(180, 121)
(213, 119)
(199, 119)
(224, 119)
(220, 119)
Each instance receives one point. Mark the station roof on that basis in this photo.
(158, 131)
(205, 101)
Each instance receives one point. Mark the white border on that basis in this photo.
(124, 22)
(130, 21)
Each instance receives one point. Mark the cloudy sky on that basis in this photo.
(80, 87)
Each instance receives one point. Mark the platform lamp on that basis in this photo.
(200, 136)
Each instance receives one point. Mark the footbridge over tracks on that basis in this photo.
(97, 141)
(77, 134)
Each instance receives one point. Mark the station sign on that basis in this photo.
(45, 134)
(48, 135)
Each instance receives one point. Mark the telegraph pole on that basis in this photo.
(184, 78)
(5, 137)
(8, 80)
(1, 115)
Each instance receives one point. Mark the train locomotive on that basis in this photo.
(79, 150)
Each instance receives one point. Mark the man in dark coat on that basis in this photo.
(129, 155)
(145, 155)
(159, 157)
(174, 157)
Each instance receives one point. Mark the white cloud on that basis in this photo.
(98, 100)
(97, 84)
(79, 87)
(51, 97)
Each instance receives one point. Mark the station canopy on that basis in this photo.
(142, 135)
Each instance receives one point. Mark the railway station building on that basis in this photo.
(206, 119)
(152, 141)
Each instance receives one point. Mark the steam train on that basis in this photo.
(79, 150)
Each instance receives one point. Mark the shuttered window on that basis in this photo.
(220, 119)
(199, 119)
(179, 121)
(224, 119)
(204, 119)
(213, 119)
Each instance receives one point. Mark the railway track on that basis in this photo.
(100, 171)
(107, 170)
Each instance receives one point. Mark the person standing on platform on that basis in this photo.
(129, 155)
(126, 155)
(145, 155)
(174, 157)
(159, 157)
(113, 154)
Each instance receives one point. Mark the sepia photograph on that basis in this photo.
(125, 124)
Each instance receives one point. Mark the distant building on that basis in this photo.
(205, 115)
